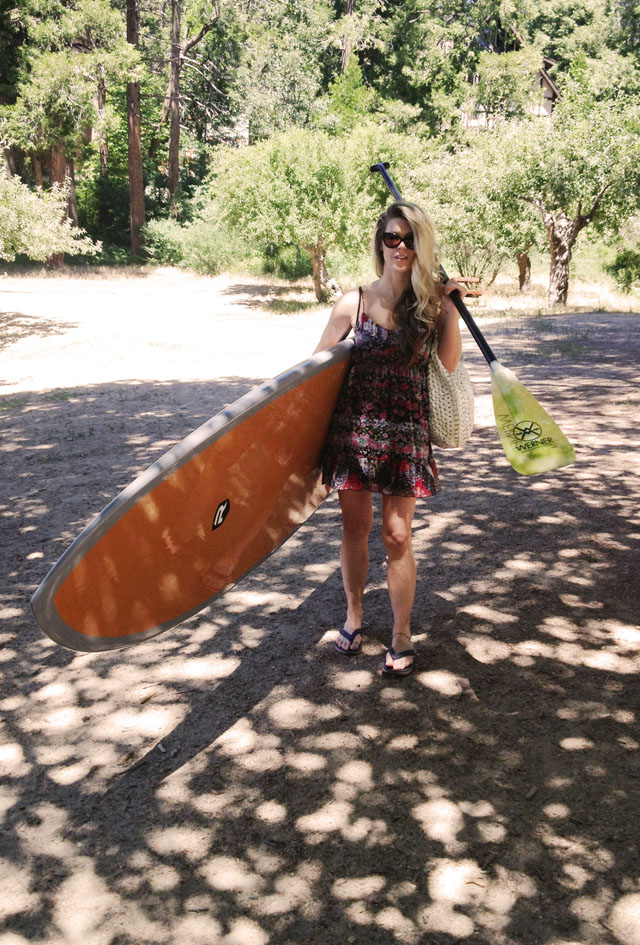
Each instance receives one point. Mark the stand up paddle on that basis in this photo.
(533, 443)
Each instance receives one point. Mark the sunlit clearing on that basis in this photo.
(458, 882)
(292, 713)
(182, 841)
(333, 816)
(623, 634)
(441, 820)
(357, 887)
(263, 759)
(11, 754)
(442, 681)
(391, 918)
(557, 811)
(16, 897)
(206, 668)
(152, 721)
(65, 718)
(8, 613)
(56, 692)
(197, 929)
(70, 774)
(488, 613)
(356, 679)
(271, 812)
(624, 920)
(305, 761)
(245, 932)
(576, 744)
(357, 772)
(225, 873)
(92, 902)
(484, 649)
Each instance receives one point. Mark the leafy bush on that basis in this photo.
(165, 241)
(209, 250)
(625, 269)
(34, 223)
(289, 262)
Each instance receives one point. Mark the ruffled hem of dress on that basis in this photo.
(383, 479)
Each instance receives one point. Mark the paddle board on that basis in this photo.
(200, 518)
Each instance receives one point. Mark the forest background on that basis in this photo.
(238, 135)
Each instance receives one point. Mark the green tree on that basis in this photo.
(30, 223)
(283, 65)
(307, 190)
(580, 169)
(503, 83)
(480, 229)
(74, 51)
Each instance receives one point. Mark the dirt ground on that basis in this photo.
(237, 782)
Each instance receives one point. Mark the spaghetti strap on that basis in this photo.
(359, 306)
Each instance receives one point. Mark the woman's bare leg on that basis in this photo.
(397, 516)
(357, 518)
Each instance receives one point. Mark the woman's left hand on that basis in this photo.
(446, 301)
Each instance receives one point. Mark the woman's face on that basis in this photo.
(399, 257)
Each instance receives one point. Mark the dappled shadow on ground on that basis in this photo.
(275, 299)
(14, 326)
(237, 781)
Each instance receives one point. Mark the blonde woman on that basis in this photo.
(379, 435)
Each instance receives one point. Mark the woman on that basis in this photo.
(379, 435)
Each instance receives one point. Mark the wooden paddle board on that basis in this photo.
(200, 518)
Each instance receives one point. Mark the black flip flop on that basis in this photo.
(350, 637)
(390, 670)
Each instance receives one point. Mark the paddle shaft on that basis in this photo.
(456, 298)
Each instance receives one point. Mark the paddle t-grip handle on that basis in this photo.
(456, 298)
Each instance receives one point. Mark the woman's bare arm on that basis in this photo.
(449, 340)
(341, 321)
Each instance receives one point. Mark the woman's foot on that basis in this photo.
(349, 642)
(400, 656)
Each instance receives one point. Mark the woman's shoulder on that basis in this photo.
(347, 304)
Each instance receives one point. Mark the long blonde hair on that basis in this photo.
(415, 312)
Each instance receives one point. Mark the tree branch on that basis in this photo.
(598, 201)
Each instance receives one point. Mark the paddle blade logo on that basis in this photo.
(532, 441)
(526, 430)
(221, 513)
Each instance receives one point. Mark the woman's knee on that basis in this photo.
(396, 537)
(357, 516)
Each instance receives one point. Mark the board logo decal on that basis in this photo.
(221, 513)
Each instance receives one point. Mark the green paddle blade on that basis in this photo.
(532, 442)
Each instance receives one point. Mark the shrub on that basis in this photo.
(34, 223)
(625, 269)
(165, 241)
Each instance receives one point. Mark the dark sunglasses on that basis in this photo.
(391, 240)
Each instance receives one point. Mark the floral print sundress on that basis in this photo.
(378, 439)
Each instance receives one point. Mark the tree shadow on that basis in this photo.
(236, 780)
(15, 326)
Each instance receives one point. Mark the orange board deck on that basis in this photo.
(200, 518)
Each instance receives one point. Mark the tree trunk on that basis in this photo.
(72, 203)
(57, 175)
(326, 289)
(36, 163)
(524, 270)
(174, 94)
(136, 182)
(104, 142)
(562, 233)
(347, 38)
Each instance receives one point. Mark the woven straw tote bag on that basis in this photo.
(450, 403)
